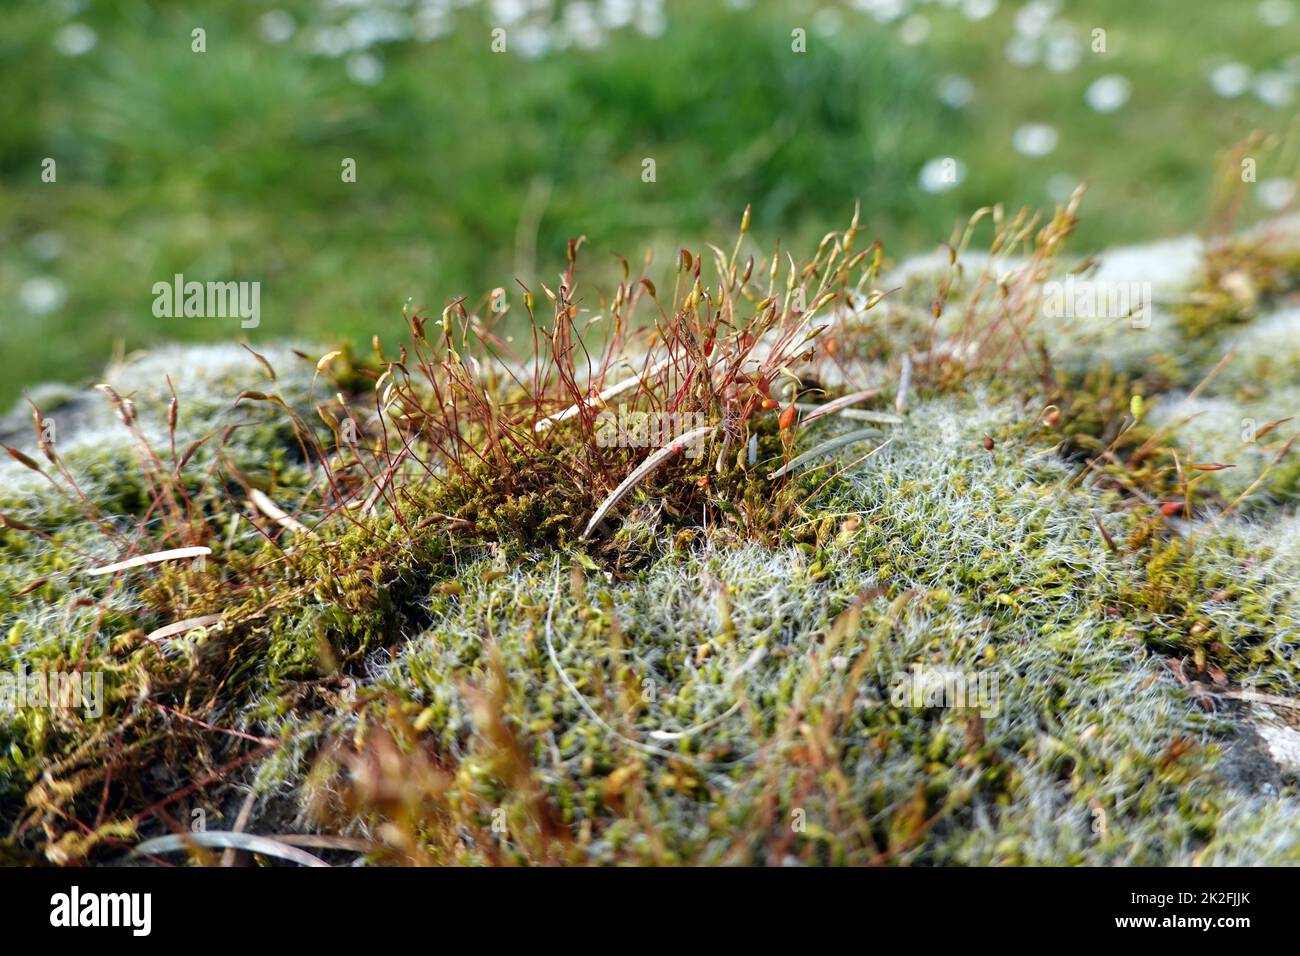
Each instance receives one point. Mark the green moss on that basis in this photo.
(712, 678)
(1239, 277)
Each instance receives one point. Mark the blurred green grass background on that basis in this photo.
(474, 167)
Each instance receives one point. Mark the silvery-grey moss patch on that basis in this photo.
(968, 647)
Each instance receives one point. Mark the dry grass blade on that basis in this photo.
(1254, 697)
(225, 839)
(181, 627)
(324, 841)
(606, 395)
(232, 856)
(818, 411)
(175, 554)
(879, 418)
(639, 473)
(904, 385)
(277, 514)
(825, 448)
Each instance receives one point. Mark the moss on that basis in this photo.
(1239, 276)
(713, 678)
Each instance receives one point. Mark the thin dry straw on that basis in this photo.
(817, 411)
(882, 418)
(904, 385)
(639, 473)
(226, 839)
(277, 514)
(825, 448)
(603, 397)
(155, 558)
(182, 627)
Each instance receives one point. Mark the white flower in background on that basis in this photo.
(506, 13)
(376, 26)
(581, 25)
(535, 27)
(1275, 88)
(330, 41)
(827, 22)
(882, 11)
(46, 245)
(431, 23)
(1022, 50)
(942, 174)
(651, 20)
(41, 295)
(1230, 79)
(1060, 187)
(915, 29)
(1276, 194)
(531, 42)
(1035, 139)
(75, 39)
(1108, 93)
(276, 26)
(1064, 51)
(955, 91)
(365, 69)
(1034, 17)
(979, 9)
(616, 14)
(1276, 13)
